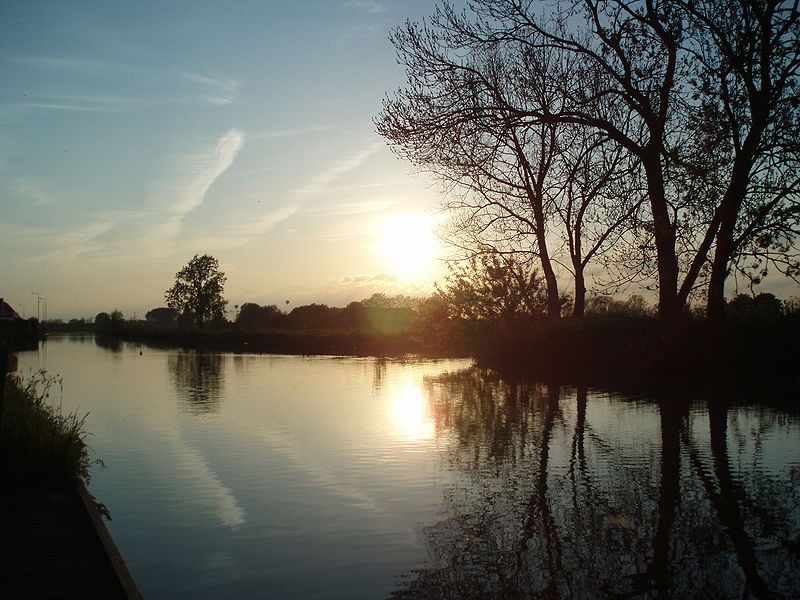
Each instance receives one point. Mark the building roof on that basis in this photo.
(7, 313)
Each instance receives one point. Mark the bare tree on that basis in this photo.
(504, 175)
(450, 120)
(701, 95)
(598, 204)
(748, 56)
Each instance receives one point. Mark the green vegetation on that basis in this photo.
(40, 445)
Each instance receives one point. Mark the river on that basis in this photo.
(264, 476)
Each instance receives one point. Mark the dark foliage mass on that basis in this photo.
(198, 290)
(163, 315)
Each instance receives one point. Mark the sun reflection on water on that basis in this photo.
(410, 413)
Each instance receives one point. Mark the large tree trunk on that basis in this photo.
(730, 207)
(715, 301)
(579, 306)
(553, 299)
(669, 307)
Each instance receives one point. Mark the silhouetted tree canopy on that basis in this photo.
(198, 290)
(544, 117)
(107, 323)
(311, 316)
(254, 316)
(162, 315)
(492, 286)
(761, 306)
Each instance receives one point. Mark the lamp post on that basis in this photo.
(38, 301)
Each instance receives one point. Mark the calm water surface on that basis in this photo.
(259, 476)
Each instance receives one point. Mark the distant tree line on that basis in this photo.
(490, 291)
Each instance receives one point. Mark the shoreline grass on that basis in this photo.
(40, 445)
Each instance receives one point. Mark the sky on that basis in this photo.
(136, 135)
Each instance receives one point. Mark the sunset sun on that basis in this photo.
(407, 244)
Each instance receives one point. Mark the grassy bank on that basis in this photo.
(40, 446)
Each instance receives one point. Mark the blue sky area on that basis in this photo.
(135, 135)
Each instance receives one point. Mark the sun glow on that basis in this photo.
(408, 244)
(410, 413)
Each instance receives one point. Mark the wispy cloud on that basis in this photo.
(67, 107)
(370, 6)
(267, 221)
(248, 227)
(28, 190)
(41, 244)
(243, 230)
(352, 208)
(179, 86)
(285, 133)
(76, 63)
(202, 170)
(188, 185)
(218, 90)
(363, 285)
(381, 277)
(334, 172)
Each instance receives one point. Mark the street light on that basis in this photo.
(43, 301)
(38, 301)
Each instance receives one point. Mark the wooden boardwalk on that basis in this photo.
(51, 547)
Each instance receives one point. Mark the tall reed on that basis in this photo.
(40, 445)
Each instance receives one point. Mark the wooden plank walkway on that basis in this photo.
(50, 547)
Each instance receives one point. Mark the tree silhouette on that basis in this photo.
(697, 100)
(493, 286)
(198, 290)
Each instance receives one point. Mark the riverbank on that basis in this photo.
(40, 446)
(617, 351)
(53, 542)
(286, 341)
(643, 353)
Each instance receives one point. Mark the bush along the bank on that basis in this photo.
(40, 446)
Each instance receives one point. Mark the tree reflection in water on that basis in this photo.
(109, 343)
(198, 379)
(564, 493)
